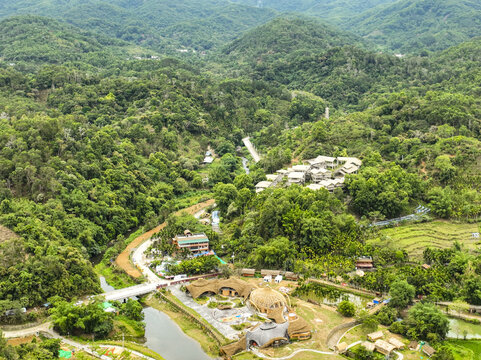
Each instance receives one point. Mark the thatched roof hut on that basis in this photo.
(266, 298)
(375, 335)
(341, 348)
(397, 343)
(428, 350)
(298, 328)
(384, 347)
(234, 286)
(369, 346)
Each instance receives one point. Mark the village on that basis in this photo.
(322, 172)
(269, 312)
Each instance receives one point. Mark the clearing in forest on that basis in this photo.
(414, 238)
(123, 260)
(6, 234)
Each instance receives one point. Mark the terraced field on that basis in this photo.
(415, 238)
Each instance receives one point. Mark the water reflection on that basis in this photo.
(168, 340)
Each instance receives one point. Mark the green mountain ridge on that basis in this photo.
(38, 39)
(159, 25)
(408, 26)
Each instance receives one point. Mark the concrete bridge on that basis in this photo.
(136, 290)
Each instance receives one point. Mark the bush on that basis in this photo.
(398, 328)
(346, 308)
(387, 315)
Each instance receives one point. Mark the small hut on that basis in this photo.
(248, 272)
(428, 350)
(375, 335)
(413, 345)
(289, 275)
(369, 346)
(384, 347)
(340, 348)
(397, 343)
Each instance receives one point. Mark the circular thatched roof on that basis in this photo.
(267, 298)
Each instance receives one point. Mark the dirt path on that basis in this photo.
(123, 260)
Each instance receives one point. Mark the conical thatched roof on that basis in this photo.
(202, 286)
(298, 326)
(266, 298)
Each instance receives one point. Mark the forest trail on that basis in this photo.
(123, 260)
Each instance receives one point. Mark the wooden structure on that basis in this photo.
(375, 335)
(395, 342)
(196, 243)
(266, 298)
(369, 346)
(341, 348)
(364, 263)
(384, 347)
(248, 272)
(428, 350)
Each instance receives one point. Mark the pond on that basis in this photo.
(164, 336)
(328, 296)
(167, 339)
(458, 328)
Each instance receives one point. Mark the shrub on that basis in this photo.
(346, 308)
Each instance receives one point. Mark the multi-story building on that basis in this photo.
(196, 243)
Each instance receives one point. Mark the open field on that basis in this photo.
(414, 238)
(123, 260)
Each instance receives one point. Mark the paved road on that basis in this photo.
(252, 150)
(261, 355)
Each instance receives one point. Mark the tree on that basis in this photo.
(275, 254)
(346, 308)
(132, 309)
(402, 293)
(426, 322)
(224, 195)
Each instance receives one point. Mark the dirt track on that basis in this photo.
(123, 260)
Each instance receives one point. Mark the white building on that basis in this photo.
(296, 177)
(261, 186)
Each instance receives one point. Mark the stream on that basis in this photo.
(164, 336)
(244, 165)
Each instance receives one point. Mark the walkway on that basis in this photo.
(252, 149)
(204, 312)
(261, 355)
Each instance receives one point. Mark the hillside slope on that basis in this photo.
(415, 25)
(42, 40)
(334, 11)
(161, 25)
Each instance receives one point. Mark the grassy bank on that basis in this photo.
(115, 277)
(465, 349)
(190, 328)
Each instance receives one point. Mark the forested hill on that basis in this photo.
(36, 40)
(160, 25)
(287, 38)
(336, 11)
(412, 26)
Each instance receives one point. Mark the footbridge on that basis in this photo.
(136, 290)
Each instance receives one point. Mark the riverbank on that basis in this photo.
(191, 329)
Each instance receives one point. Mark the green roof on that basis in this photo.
(194, 241)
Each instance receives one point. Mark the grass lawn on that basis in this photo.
(118, 279)
(465, 349)
(414, 238)
(129, 327)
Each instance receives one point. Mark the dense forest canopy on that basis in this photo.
(101, 132)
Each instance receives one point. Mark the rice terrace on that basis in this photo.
(414, 238)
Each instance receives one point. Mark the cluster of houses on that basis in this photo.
(271, 275)
(386, 347)
(323, 172)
